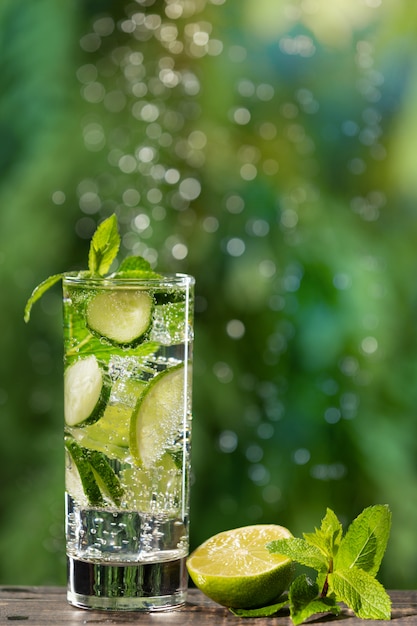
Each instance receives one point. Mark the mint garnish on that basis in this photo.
(136, 267)
(38, 292)
(104, 247)
(346, 567)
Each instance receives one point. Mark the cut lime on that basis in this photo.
(109, 435)
(96, 475)
(234, 568)
(112, 429)
(122, 317)
(158, 420)
(86, 391)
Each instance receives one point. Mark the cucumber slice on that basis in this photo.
(157, 421)
(86, 392)
(122, 317)
(87, 478)
(105, 476)
(96, 474)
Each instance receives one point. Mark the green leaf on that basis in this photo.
(328, 537)
(136, 267)
(104, 246)
(265, 611)
(301, 551)
(305, 601)
(365, 541)
(361, 592)
(39, 291)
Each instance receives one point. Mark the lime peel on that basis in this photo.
(159, 415)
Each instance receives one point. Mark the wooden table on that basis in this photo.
(47, 605)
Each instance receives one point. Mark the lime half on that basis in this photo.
(157, 423)
(234, 568)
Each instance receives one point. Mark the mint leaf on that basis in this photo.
(104, 246)
(301, 551)
(328, 537)
(365, 541)
(305, 601)
(265, 611)
(360, 591)
(38, 292)
(136, 267)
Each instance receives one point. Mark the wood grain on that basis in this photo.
(41, 606)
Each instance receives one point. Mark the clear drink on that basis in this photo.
(127, 383)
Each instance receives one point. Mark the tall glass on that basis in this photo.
(127, 386)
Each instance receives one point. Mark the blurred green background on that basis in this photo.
(268, 148)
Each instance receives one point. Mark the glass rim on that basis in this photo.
(165, 279)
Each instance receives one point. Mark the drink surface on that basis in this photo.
(127, 386)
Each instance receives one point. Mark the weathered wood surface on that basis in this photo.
(39, 606)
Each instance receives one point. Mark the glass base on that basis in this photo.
(127, 587)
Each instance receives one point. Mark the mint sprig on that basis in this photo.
(346, 567)
(38, 293)
(104, 247)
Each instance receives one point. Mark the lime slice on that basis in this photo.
(86, 391)
(158, 420)
(235, 569)
(122, 317)
(95, 474)
(112, 429)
